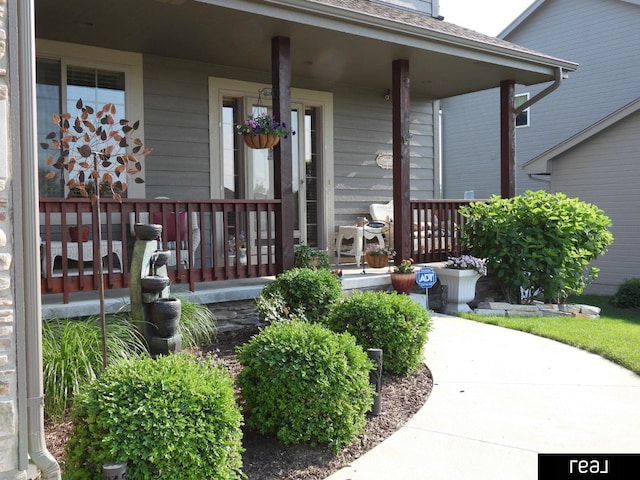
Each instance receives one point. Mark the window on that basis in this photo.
(94, 86)
(65, 73)
(522, 119)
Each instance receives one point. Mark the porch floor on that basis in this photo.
(87, 303)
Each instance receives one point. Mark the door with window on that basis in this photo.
(249, 173)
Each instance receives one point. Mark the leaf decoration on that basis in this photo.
(94, 147)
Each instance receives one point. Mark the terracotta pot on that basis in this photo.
(403, 282)
(376, 261)
(79, 235)
(165, 315)
(261, 140)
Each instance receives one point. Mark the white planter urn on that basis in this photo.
(461, 288)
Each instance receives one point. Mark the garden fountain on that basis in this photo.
(154, 311)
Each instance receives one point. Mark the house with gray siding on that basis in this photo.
(359, 81)
(581, 142)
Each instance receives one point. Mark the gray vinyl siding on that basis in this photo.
(362, 130)
(605, 171)
(602, 36)
(177, 127)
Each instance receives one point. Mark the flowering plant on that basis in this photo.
(264, 123)
(376, 249)
(468, 262)
(405, 266)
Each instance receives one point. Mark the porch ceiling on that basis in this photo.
(330, 44)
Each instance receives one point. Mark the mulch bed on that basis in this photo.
(265, 458)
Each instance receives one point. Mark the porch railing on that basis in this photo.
(437, 229)
(209, 240)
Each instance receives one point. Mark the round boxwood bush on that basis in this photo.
(305, 383)
(173, 417)
(628, 294)
(389, 321)
(302, 291)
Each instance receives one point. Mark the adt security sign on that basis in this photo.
(426, 277)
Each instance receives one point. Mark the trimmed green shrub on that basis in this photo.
(197, 324)
(538, 243)
(389, 321)
(169, 418)
(305, 383)
(72, 355)
(305, 292)
(628, 294)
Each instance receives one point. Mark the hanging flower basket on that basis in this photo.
(261, 140)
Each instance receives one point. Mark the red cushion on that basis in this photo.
(169, 228)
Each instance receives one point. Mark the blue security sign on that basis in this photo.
(426, 277)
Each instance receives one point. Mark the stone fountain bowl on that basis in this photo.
(147, 231)
(154, 283)
(160, 257)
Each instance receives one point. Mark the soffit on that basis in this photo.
(333, 42)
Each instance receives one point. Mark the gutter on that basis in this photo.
(28, 268)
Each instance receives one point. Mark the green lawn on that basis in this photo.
(615, 335)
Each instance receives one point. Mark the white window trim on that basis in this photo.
(527, 110)
(102, 58)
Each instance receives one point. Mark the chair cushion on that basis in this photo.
(169, 229)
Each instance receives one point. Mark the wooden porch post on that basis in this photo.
(401, 138)
(507, 139)
(282, 171)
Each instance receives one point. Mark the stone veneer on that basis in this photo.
(8, 377)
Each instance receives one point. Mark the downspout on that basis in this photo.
(560, 75)
(30, 302)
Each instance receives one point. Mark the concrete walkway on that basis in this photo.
(500, 397)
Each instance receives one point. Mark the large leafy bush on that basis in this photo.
(389, 321)
(306, 292)
(169, 418)
(538, 243)
(305, 383)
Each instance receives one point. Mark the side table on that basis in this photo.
(359, 234)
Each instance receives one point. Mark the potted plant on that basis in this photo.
(403, 276)
(309, 257)
(263, 131)
(460, 275)
(377, 256)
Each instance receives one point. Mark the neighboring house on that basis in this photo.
(190, 70)
(582, 142)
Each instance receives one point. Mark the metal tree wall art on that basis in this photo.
(93, 150)
(95, 154)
